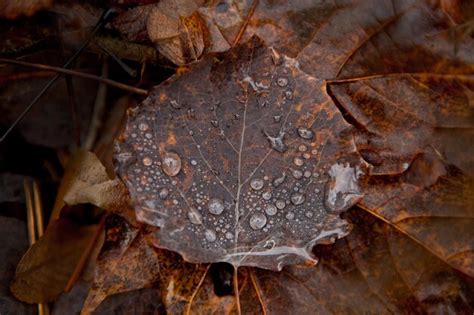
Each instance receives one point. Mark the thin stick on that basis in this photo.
(102, 20)
(85, 256)
(258, 291)
(126, 68)
(113, 83)
(38, 209)
(236, 291)
(99, 108)
(201, 281)
(30, 215)
(246, 22)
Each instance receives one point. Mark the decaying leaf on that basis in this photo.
(129, 263)
(44, 270)
(233, 161)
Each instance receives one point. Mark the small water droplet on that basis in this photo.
(229, 235)
(194, 216)
(280, 204)
(175, 104)
(314, 151)
(164, 192)
(297, 174)
(279, 180)
(277, 118)
(147, 161)
(191, 133)
(193, 162)
(282, 81)
(148, 135)
(307, 174)
(215, 206)
(210, 235)
(270, 210)
(267, 195)
(143, 126)
(305, 133)
(289, 94)
(298, 161)
(258, 221)
(290, 216)
(309, 214)
(256, 184)
(175, 202)
(302, 148)
(191, 113)
(171, 163)
(316, 190)
(215, 123)
(297, 199)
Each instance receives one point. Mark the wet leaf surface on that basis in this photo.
(240, 172)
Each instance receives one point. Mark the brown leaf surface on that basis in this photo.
(129, 263)
(232, 161)
(44, 270)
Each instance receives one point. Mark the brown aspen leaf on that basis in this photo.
(44, 270)
(436, 212)
(244, 160)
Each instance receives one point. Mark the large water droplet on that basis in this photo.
(147, 161)
(282, 81)
(280, 204)
(194, 216)
(267, 195)
(210, 235)
(270, 210)
(305, 133)
(258, 221)
(256, 183)
(164, 192)
(171, 163)
(298, 161)
(297, 174)
(143, 126)
(215, 206)
(297, 199)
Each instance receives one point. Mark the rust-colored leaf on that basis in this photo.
(233, 161)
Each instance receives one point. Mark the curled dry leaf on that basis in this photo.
(86, 181)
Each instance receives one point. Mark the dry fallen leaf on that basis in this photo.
(44, 270)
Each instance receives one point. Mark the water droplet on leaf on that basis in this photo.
(256, 184)
(305, 133)
(171, 163)
(258, 221)
(215, 206)
(297, 199)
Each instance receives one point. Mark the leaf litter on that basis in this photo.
(386, 109)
